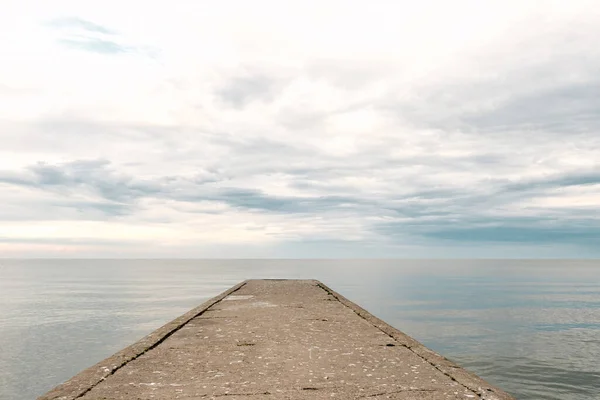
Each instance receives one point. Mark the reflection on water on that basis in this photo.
(531, 327)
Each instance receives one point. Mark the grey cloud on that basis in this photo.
(13, 178)
(74, 174)
(567, 109)
(83, 35)
(443, 214)
(65, 207)
(551, 87)
(99, 176)
(240, 91)
(78, 23)
(353, 75)
(95, 45)
(256, 147)
(581, 178)
(94, 209)
(471, 228)
(259, 201)
(254, 199)
(521, 234)
(89, 175)
(96, 176)
(301, 120)
(472, 216)
(497, 193)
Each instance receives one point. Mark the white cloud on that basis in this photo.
(267, 127)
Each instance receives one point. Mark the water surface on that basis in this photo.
(530, 327)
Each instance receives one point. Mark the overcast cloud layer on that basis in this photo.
(300, 129)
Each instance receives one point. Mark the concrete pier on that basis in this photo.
(276, 339)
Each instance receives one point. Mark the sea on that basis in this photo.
(531, 327)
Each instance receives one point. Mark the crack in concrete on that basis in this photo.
(242, 394)
(397, 391)
(154, 345)
(331, 293)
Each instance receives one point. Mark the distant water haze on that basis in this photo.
(530, 327)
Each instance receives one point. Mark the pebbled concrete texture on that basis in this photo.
(276, 339)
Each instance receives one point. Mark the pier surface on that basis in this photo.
(276, 339)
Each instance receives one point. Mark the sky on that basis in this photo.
(300, 129)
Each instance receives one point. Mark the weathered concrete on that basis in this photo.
(276, 339)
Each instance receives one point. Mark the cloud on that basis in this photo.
(95, 46)
(521, 234)
(78, 23)
(242, 90)
(581, 178)
(570, 109)
(411, 136)
(80, 34)
(417, 213)
(95, 177)
(91, 176)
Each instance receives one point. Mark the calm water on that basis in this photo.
(531, 327)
